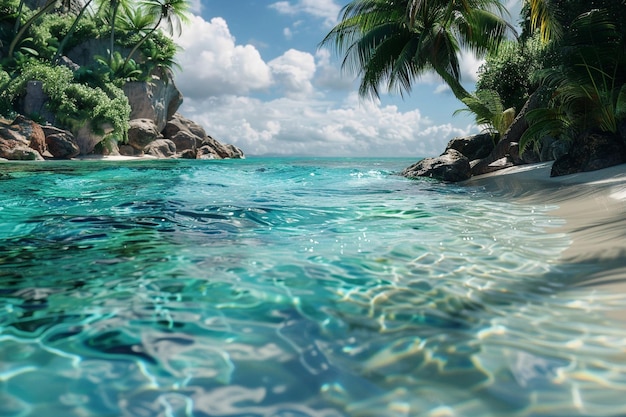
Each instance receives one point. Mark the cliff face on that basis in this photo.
(156, 128)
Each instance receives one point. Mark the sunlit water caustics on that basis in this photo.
(290, 288)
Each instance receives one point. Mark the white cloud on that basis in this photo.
(288, 33)
(323, 9)
(315, 127)
(195, 6)
(329, 75)
(294, 70)
(213, 64)
(219, 76)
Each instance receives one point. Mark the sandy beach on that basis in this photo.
(593, 205)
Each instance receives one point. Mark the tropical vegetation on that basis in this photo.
(34, 44)
(573, 51)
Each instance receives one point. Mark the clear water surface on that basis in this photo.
(290, 288)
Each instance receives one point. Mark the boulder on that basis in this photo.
(221, 150)
(452, 166)
(34, 102)
(591, 151)
(184, 141)
(473, 147)
(179, 123)
(142, 132)
(127, 150)
(206, 152)
(188, 154)
(161, 148)
(61, 144)
(87, 137)
(513, 134)
(21, 139)
(157, 100)
(32, 132)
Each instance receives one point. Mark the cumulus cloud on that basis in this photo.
(226, 88)
(316, 127)
(294, 71)
(328, 10)
(328, 74)
(213, 64)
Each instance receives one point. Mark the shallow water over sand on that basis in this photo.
(291, 287)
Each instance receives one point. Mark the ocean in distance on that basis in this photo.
(290, 287)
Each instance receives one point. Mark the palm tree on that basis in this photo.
(171, 14)
(71, 31)
(543, 15)
(396, 41)
(110, 8)
(19, 33)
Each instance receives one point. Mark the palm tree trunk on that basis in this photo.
(70, 32)
(138, 45)
(114, 5)
(48, 6)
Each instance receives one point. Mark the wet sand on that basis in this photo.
(593, 205)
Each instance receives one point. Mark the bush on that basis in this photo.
(509, 72)
(72, 103)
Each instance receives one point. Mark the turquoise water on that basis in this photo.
(290, 288)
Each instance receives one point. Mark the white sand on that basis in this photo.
(593, 205)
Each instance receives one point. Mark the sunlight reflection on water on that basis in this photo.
(256, 288)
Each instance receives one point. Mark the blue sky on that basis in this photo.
(253, 75)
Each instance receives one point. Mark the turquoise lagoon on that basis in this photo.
(291, 288)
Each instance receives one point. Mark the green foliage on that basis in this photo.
(392, 43)
(116, 70)
(489, 111)
(72, 103)
(510, 70)
(588, 82)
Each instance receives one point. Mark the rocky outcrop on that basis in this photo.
(61, 143)
(188, 135)
(21, 140)
(154, 118)
(508, 147)
(473, 147)
(141, 133)
(157, 100)
(452, 166)
(160, 148)
(591, 151)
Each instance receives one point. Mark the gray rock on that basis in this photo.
(157, 100)
(142, 132)
(62, 145)
(34, 102)
(452, 166)
(473, 147)
(127, 150)
(179, 123)
(591, 151)
(184, 141)
(87, 138)
(161, 148)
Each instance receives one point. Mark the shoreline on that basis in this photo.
(593, 206)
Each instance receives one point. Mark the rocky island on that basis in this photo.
(36, 126)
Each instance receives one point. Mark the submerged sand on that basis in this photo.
(593, 206)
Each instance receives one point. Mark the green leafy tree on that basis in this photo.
(589, 81)
(395, 42)
(510, 70)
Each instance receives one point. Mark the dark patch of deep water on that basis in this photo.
(289, 287)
